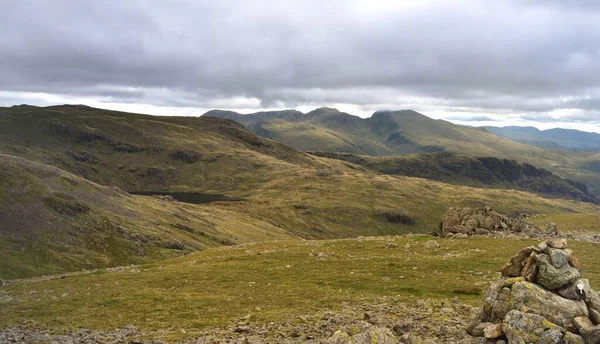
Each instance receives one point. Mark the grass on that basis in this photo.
(269, 281)
(571, 223)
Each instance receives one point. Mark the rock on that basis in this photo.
(593, 301)
(493, 331)
(379, 335)
(485, 312)
(501, 305)
(550, 336)
(460, 236)
(515, 266)
(535, 299)
(570, 291)
(459, 229)
(588, 331)
(574, 262)
(431, 244)
(557, 243)
(481, 231)
(477, 331)
(594, 316)
(530, 270)
(551, 277)
(558, 257)
(522, 327)
(572, 338)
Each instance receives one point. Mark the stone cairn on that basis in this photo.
(463, 222)
(541, 298)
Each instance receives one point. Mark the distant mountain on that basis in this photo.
(392, 133)
(552, 138)
(479, 172)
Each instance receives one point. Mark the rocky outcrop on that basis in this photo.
(541, 298)
(458, 222)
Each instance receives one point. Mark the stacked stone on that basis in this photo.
(463, 222)
(541, 298)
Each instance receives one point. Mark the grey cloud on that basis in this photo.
(519, 56)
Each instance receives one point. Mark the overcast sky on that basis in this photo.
(474, 62)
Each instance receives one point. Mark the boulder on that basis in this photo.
(535, 299)
(520, 327)
(551, 277)
(589, 331)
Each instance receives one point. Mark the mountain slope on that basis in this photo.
(480, 172)
(556, 138)
(406, 132)
(54, 221)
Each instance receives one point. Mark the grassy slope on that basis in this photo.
(406, 132)
(479, 172)
(283, 279)
(53, 221)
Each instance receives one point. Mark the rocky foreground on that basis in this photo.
(389, 320)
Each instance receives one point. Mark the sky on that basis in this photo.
(521, 62)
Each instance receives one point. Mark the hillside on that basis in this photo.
(389, 133)
(480, 172)
(53, 221)
(280, 192)
(556, 138)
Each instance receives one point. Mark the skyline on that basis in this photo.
(526, 63)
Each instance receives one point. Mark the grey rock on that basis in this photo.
(572, 338)
(522, 327)
(535, 299)
(551, 277)
(550, 336)
(558, 257)
(501, 305)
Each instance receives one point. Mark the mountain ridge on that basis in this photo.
(393, 133)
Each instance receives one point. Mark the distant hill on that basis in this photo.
(552, 138)
(392, 133)
(480, 172)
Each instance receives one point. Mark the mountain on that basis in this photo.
(389, 133)
(480, 172)
(556, 138)
(71, 174)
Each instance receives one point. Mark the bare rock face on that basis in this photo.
(541, 298)
(485, 221)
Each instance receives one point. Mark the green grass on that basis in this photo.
(217, 286)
